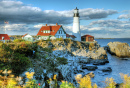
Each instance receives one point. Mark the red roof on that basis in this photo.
(67, 35)
(53, 30)
(87, 36)
(72, 36)
(25, 35)
(6, 37)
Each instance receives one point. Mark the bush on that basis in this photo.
(47, 49)
(11, 82)
(62, 60)
(60, 39)
(84, 82)
(110, 83)
(65, 84)
(18, 40)
(126, 81)
(91, 45)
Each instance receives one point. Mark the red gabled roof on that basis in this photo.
(72, 36)
(25, 35)
(87, 36)
(67, 35)
(6, 37)
(53, 30)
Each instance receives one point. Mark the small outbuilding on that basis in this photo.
(27, 37)
(70, 36)
(87, 38)
(4, 37)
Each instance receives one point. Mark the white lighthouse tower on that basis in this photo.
(76, 25)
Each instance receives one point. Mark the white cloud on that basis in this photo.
(38, 26)
(14, 27)
(18, 12)
(124, 16)
(95, 28)
(91, 13)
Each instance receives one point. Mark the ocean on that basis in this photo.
(117, 64)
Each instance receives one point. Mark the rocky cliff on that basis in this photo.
(91, 50)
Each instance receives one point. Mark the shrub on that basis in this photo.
(126, 81)
(60, 39)
(11, 82)
(18, 40)
(84, 82)
(62, 60)
(91, 45)
(110, 83)
(47, 49)
(65, 84)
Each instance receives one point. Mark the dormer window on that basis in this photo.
(48, 31)
(41, 31)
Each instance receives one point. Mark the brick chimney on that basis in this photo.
(56, 24)
(46, 24)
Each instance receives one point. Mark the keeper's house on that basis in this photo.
(87, 38)
(52, 32)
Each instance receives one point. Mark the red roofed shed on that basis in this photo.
(4, 37)
(87, 38)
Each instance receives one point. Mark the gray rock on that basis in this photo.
(99, 61)
(90, 68)
(107, 69)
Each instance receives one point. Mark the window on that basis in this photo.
(59, 32)
(48, 31)
(53, 30)
(43, 31)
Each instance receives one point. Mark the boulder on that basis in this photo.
(90, 68)
(100, 53)
(119, 49)
(100, 62)
(107, 69)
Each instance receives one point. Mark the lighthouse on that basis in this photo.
(76, 25)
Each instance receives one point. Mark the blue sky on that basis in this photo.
(100, 18)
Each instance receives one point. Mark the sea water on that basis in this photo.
(117, 64)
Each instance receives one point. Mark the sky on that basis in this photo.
(99, 18)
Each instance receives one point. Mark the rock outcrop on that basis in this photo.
(107, 69)
(119, 49)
